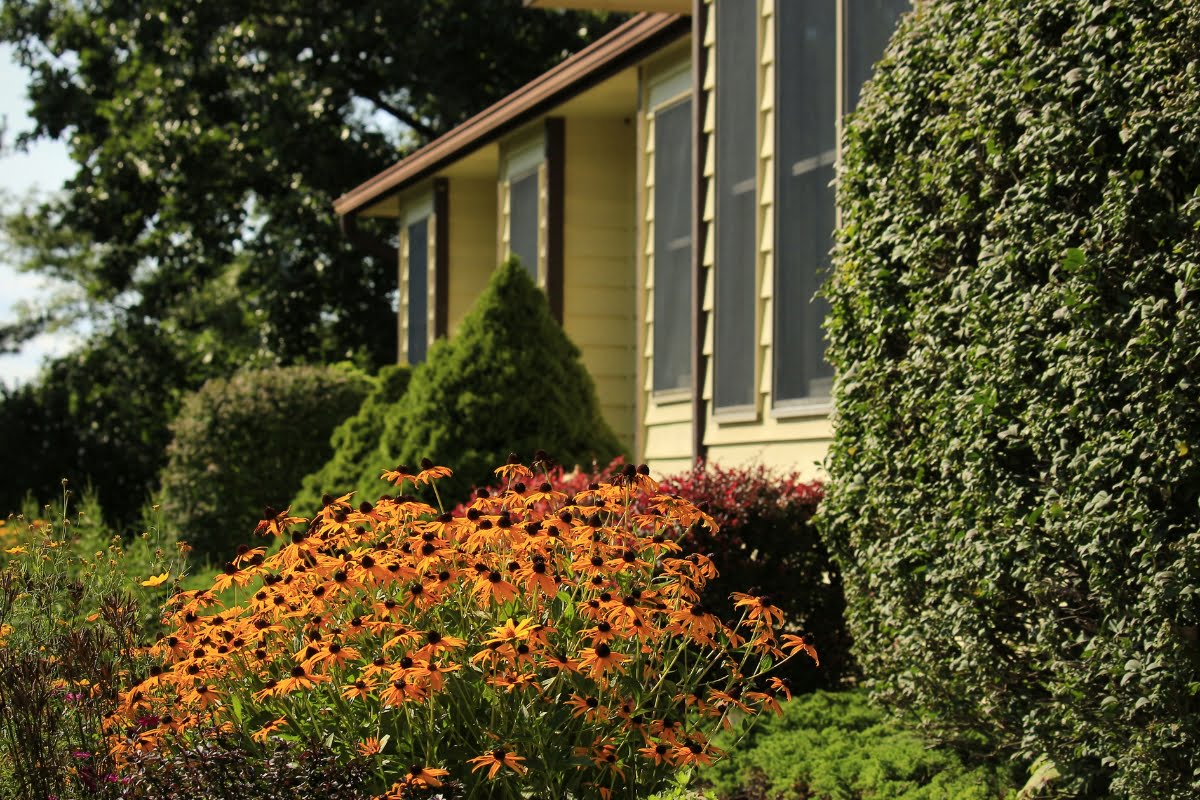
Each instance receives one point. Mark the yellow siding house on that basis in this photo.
(671, 189)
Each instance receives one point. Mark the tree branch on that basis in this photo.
(427, 132)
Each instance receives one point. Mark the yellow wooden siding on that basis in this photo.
(794, 440)
(472, 244)
(402, 298)
(665, 434)
(598, 255)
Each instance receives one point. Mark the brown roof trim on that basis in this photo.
(602, 59)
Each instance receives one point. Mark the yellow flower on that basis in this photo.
(155, 580)
(16, 551)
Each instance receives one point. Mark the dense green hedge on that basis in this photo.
(355, 444)
(508, 381)
(1014, 324)
(248, 441)
(837, 745)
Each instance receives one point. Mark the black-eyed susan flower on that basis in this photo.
(497, 759)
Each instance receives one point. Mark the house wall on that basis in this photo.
(793, 438)
(599, 259)
(472, 244)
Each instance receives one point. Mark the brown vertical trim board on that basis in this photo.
(441, 256)
(555, 206)
(699, 102)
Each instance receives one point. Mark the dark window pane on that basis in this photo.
(673, 247)
(418, 290)
(806, 142)
(869, 27)
(523, 221)
(736, 114)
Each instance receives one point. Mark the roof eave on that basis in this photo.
(622, 47)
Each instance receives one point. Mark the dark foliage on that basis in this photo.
(223, 768)
(1014, 493)
(97, 416)
(767, 545)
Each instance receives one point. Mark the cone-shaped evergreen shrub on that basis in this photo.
(508, 381)
(248, 441)
(1015, 473)
(354, 442)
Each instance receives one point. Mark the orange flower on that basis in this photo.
(801, 644)
(600, 659)
(658, 752)
(588, 707)
(265, 731)
(490, 586)
(497, 759)
(694, 751)
(370, 747)
(299, 679)
(359, 690)
(759, 608)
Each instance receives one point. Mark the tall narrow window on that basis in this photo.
(869, 27)
(523, 221)
(418, 290)
(735, 269)
(806, 148)
(673, 247)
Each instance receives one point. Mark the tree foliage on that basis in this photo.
(1014, 477)
(211, 140)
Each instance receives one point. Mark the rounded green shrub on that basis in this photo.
(508, 381)
(355, 443)
(248, 441)
(838, 745)
(1015, 326)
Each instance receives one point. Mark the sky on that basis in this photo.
(42, 169)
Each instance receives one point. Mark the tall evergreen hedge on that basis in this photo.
(1014, 481)
(509, 380)
(355, 443)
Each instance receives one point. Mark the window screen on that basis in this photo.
(673, 247)
(734, 273)
(418, 290)
(869, 27)
(523, 221)
(806, 146)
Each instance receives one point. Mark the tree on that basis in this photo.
(1015, 488)
(212, 139)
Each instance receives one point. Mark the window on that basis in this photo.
(673, 247)
(523, 221)
(735, 270)
(869, 27)
(418, 290)
(805, 217)
(806, 109)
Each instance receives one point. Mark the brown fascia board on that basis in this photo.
(620, 48)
